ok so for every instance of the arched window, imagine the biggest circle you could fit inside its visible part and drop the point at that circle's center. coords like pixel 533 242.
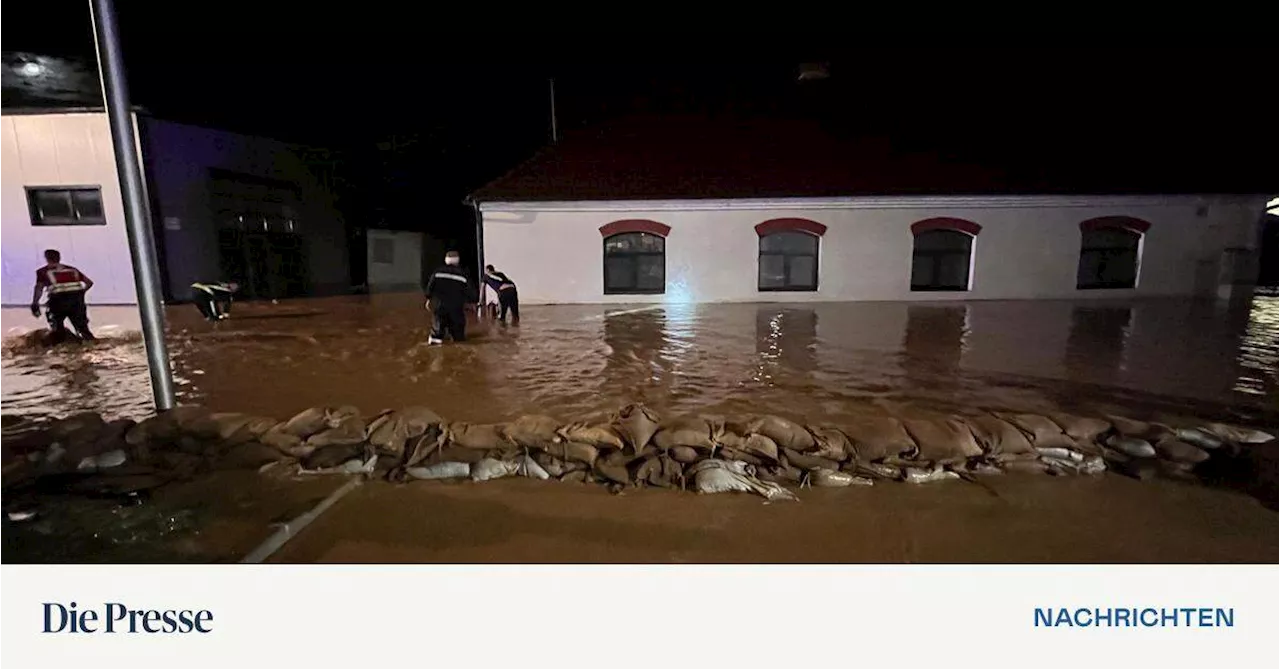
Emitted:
pixel 1109 249
pixel 635 263
pixel 788 254
pixel 942 254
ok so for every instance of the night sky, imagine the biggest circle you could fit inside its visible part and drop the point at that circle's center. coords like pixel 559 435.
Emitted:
pixel 423 112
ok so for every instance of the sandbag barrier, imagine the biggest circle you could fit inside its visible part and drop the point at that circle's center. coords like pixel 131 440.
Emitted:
pixel 632 447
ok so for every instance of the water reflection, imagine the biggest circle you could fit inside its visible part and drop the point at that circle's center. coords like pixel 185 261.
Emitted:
pixel 1097 342
pixel 786 343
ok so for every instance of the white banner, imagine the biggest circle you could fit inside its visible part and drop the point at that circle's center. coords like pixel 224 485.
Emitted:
pixel 639 616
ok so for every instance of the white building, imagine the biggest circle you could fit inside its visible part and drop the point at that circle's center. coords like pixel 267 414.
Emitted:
pixel 223 206
pixel 628 223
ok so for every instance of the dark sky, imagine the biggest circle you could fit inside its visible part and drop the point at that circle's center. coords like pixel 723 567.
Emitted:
pixel 473 101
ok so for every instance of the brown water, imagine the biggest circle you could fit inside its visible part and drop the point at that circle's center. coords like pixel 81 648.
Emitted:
pixel 1162 358
pixel 809 362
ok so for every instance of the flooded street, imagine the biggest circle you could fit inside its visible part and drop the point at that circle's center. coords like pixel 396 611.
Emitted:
pixel 806 362
pixel 813 363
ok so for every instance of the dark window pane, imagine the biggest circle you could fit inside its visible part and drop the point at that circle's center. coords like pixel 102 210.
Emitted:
pixel 789 242
pixel 943 240
pixel 1110 238
pixel 88 203
pixel 773 271
pixel 953 271
pixel 801 272
pixel 619 273
pixel 651 273
pixel 1108 259
pixel 921 271
pixel 53 204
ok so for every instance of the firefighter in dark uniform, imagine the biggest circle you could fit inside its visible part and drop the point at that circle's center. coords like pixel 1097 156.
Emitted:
pixel 66 287
pixel 214 299
pixel 505 288
pixel 448 293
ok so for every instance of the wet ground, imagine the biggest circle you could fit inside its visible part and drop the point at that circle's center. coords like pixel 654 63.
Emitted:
pixel 1151 358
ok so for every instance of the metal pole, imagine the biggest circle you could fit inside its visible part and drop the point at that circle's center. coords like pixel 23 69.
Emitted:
pixel 554 134
pixel 141 246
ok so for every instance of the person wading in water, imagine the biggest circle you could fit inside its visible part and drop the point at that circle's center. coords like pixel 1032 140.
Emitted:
pixel 214 299
pixel 66 286
pixel 448 292
pixel 508 298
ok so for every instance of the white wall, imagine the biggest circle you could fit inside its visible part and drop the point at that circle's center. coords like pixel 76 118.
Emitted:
pixel 554 252
pixel 405 270
pixel 62 150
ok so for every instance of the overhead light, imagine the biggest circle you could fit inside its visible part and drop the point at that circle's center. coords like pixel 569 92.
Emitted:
pixel 32 69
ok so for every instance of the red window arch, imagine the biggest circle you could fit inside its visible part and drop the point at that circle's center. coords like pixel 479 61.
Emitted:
pixel 945 223
pixel 1115 223
pixel 635 225
pixel 776 225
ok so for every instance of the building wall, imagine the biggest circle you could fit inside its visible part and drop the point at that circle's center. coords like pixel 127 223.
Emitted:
pixel 62 150
pixel 179 158
pixel 1028 248
pixel 394 260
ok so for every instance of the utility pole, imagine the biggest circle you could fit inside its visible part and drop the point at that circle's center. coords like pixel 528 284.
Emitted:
pixel 137 225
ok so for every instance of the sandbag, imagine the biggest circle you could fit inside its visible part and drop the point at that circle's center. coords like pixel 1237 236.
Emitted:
pixel 873 469
pixel 830 443
pixel 685 454
pixel 761 447
pixel 1131 446
pixel 568 450
pixel 327 457
pixel 529 468
pixel 724 478
pixel 478 437
pixel 612 471
pixel 230 424
pixel 1025 466
pixel 554 467
pixel 350 430
pixel 533 431
pixel 637 425
pixel 1131 428
pixel 489 469
pixel 998 437
pixel 1200 438
pixel 942 439
pixel 600 436
pixel 286 443
pixel 247 455
pixel 735 454
pixel 440 470
pixel 783 432
pixel 806 461
pixel 923 475
pixel 1239 435
pixel 878 437
pixel 1143 469
pixel 693 431
pixel 107 460
pixel 420 448
pixel 1042 432
pixel 85 426
pixel 578 476
pixel 1180 451
pixel 391 432
pixel 454 454
pixel 1080 428
pixel 645 469
pixel 156 431
pixel 825 478
pixel 306 422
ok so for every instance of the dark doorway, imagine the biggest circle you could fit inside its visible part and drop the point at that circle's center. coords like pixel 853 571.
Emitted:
pixel 267 264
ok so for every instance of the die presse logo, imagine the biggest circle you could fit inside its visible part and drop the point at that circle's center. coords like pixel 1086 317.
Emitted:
pixel 115 618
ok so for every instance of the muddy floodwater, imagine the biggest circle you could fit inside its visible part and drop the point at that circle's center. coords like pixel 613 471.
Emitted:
pixel 1150 358
pixel 806 362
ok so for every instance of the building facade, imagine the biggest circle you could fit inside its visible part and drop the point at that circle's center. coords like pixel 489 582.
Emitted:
pixel 873 248
pixel 221 206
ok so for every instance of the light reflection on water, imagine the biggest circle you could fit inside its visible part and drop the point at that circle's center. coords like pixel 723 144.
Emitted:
pixel 810 361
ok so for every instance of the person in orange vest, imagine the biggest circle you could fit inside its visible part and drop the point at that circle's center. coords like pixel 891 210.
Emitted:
pixel 66 287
